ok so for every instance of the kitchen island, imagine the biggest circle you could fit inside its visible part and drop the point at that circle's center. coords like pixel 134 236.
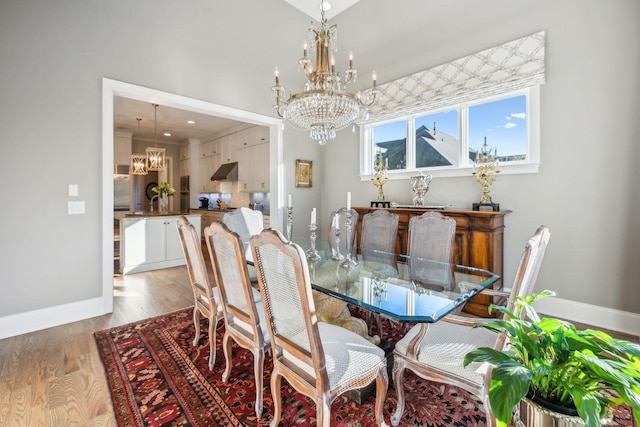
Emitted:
pixel 150 241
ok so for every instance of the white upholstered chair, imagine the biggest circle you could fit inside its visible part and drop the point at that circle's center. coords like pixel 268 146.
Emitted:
pixel 246 223
pixel 206 301
pixel 439 354
pixel 243 312
pixel 318 360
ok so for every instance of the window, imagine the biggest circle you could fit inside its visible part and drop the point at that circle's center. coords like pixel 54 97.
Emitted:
pixel 445 142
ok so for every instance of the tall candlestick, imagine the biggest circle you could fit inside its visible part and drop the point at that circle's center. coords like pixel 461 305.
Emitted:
pixel 348 200
pixel 289 204
pixel 313 216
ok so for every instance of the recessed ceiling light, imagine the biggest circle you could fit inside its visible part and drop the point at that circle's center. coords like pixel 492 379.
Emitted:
pixel 166 134
pixel 191 122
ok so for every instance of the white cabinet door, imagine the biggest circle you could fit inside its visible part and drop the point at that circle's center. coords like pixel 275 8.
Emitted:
pixel 229 147
pixel 154 240
pixel 253 172
pixel 262 167
pixel 173 244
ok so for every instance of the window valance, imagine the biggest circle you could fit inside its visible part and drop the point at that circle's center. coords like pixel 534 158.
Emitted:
pixel 514 65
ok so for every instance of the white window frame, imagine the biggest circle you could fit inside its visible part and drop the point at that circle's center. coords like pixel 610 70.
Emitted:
pixel 465 166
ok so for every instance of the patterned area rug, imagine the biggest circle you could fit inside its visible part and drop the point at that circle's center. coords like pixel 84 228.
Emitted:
pixel 157 378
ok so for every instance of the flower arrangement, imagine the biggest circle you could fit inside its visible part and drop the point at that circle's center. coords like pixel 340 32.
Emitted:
pixel 163 189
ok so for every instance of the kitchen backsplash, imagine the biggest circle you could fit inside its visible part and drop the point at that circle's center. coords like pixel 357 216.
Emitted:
pixel 238 200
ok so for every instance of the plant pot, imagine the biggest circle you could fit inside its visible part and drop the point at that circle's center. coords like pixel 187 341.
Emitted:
pixel 538 414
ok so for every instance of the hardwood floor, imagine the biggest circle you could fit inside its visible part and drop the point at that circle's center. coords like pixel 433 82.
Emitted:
pixel 55 377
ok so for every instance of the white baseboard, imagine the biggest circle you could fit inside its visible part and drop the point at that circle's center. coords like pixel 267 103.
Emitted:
pixel 22 323
pixel 593 315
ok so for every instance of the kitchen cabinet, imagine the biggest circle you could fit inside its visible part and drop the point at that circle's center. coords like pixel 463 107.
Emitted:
pixel 229 148
pixel 253 168
pixel 151 242
pixel 185 159
pixel 208 165
pixel 122 148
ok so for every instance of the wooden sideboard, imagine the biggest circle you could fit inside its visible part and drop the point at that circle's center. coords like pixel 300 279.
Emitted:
pixel 478 243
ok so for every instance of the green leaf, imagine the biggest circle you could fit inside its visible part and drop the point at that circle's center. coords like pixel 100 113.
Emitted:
pixel 588 407
pixel 509 383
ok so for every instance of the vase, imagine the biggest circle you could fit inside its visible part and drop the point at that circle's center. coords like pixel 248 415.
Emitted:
pixel 530 413
pixel 163 202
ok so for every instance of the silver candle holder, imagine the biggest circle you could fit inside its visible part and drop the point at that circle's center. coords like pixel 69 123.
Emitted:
pixel 312 253
pixel 349 262
pixel 289 223
pixel 336 255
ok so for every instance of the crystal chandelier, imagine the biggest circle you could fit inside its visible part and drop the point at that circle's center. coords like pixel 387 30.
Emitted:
pixel 155 156
pixel 139 161
pixel 325 106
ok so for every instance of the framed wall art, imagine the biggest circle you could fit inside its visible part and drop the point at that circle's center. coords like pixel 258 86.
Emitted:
pixel 304 173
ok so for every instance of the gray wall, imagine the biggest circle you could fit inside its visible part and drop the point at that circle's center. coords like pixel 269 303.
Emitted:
pixel 54 55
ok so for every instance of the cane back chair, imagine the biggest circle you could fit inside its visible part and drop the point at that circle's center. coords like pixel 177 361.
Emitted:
pixel 319 360
pixel 243 312
pixel 436 351
pixel 206 301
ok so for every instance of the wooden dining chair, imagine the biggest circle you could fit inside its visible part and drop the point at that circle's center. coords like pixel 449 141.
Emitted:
pixel 243 312
pixel 431 238
pixel 378 241
pixel 206 301
pixel 439 353
pixel 339 223
pixel 377 245
pixel 318 360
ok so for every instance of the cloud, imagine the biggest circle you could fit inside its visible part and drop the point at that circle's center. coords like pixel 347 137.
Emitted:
pixel 508 118
pixel 519 115
pixel 509 125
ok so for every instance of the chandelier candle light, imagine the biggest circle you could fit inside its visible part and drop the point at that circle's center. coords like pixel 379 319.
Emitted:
pixel 324 106
pixel 289 219
pixel 485 171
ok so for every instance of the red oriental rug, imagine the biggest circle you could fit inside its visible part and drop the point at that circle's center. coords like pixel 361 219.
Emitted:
pixel 157 378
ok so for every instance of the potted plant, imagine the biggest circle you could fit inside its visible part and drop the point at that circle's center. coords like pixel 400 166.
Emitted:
pixel 549 360
pixel 163 190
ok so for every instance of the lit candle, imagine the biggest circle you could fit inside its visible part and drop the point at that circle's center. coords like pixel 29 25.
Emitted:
pixel 277 73
pixel 313 216
pixel 350 59
pixel 333 64
pixel 289 200
pixel 305 49
pixel 375 77
pixel 348 200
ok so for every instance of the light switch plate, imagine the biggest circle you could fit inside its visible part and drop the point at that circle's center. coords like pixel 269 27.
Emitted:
pixel 76 208
pixel 73 190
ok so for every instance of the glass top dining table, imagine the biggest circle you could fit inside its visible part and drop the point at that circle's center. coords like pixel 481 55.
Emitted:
pixel 400 287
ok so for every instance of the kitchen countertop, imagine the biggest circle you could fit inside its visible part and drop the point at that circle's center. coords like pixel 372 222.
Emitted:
pixel 153 214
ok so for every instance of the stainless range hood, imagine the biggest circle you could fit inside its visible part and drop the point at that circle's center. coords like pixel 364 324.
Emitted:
pixel 226 172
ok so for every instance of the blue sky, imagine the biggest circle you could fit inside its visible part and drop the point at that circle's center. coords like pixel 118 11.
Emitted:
pixel 502 122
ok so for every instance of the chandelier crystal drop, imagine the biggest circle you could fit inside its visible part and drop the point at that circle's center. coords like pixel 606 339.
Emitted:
pixel 325 106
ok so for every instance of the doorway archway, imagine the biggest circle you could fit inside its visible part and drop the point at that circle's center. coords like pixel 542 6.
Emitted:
pixel 111 88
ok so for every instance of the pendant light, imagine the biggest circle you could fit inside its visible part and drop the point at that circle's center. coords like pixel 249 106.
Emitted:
pixel 139 161
pixel 156 156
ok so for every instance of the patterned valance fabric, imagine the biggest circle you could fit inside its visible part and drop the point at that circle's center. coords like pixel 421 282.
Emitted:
pixel 514 65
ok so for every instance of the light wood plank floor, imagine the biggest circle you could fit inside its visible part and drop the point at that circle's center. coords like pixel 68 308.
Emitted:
pixel 55 377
